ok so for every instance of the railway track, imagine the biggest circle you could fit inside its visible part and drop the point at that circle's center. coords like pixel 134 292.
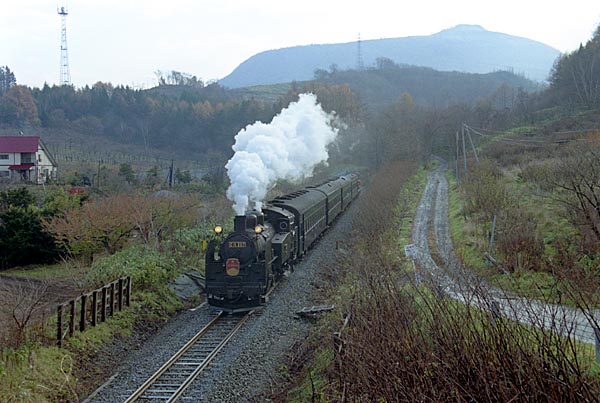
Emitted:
pixel 169 382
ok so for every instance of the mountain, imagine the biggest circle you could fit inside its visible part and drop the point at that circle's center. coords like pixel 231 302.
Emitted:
pixel 465 48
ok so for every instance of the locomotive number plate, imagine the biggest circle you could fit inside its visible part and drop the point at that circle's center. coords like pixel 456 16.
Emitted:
pixel 237 244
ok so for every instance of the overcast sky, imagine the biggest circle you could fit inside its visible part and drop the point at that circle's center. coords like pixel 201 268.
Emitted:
pixel 125 42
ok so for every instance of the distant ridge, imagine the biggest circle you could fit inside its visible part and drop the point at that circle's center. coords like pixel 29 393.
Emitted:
pixel 465 48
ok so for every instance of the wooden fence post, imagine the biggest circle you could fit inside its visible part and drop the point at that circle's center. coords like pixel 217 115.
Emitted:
pixel 103 309
pixel 495 310
pixel 94 307
pixel 112 299
pixel 128 297
pixel 59 325
pixel 83 309
pixel 120 295
pixel 72 319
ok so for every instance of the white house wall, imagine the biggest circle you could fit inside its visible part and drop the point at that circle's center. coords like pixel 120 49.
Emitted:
pixel 4 164
pixel 43 162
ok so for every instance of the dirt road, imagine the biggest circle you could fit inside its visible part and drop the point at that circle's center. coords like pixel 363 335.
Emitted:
pixel 457 282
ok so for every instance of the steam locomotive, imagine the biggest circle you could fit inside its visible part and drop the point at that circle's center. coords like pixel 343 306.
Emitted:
pixel 243 266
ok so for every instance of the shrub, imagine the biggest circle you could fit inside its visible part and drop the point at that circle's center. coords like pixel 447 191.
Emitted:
pixel 185 247
pixel 149 269
pixel 111 223
pixel 519 241
pixel 485 193
pixel 23 240
pixel 538 173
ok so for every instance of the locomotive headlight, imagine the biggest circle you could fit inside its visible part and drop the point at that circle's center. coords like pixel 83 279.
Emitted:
pixel 258 229
pixel 218 229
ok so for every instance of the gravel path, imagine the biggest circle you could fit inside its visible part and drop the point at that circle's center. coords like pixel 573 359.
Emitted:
pixel 250 362
pixel 454 280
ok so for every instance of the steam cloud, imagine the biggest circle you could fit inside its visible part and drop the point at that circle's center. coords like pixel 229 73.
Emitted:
pixel 288 148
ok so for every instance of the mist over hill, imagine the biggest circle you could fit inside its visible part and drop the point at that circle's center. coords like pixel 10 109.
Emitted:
pixel 464 48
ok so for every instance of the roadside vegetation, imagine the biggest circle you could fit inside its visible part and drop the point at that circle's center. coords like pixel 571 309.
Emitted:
pixel 546 234
pixel 398 342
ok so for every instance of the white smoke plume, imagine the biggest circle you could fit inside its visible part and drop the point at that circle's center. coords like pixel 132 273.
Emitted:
pixel 287 148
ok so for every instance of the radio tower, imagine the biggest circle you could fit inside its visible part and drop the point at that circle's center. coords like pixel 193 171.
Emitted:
pixel 359 59
pixel 65 74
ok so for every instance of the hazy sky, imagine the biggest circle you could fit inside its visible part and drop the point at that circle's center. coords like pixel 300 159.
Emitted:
pixel 125 42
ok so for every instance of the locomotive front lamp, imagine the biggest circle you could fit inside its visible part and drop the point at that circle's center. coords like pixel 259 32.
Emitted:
pixel 218 229
pixel 258 229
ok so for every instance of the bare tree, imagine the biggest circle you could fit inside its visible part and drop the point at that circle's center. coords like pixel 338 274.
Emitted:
pixel 577 176
pixel 21 302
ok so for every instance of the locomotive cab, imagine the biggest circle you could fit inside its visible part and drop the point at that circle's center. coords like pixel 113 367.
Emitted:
pixel 285 239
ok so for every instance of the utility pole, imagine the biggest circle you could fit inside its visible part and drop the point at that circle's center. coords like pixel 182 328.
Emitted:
pixel 472 146
pixel 98 174
pixel 464 148
pixel 456 159
pixel 171 175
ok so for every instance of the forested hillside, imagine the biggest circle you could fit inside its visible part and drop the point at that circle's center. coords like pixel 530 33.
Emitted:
pixel 385 83
pixel 382 110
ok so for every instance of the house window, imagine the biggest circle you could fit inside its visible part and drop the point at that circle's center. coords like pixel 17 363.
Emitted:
pixel 39 157
pixel 3 156
pixel 4 174
pixel 27 158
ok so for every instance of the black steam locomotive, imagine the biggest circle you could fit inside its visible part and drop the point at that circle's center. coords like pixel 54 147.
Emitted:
pixel 242 268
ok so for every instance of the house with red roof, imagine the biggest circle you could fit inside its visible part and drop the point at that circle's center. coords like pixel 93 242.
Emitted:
pixel 26 158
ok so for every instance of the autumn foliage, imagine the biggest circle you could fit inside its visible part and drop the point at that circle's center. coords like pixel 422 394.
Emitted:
pixel 108 225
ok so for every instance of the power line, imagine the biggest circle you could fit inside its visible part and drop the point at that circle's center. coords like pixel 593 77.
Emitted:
pixel 529 142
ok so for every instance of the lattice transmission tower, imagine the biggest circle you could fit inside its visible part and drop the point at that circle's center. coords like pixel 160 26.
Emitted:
pixel 65 73
pixel 359 59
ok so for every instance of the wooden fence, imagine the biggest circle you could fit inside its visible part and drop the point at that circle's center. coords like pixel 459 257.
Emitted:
pixel 92 308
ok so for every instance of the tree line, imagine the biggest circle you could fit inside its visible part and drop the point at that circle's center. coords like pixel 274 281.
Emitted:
pixel 575 78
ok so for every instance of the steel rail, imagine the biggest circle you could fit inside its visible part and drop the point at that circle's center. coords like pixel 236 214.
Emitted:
pixel 135 396
pixel 207 360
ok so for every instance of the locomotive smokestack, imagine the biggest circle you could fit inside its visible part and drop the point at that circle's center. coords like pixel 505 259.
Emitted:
pixel 260 217
pixel 250 220
pixel 239 223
